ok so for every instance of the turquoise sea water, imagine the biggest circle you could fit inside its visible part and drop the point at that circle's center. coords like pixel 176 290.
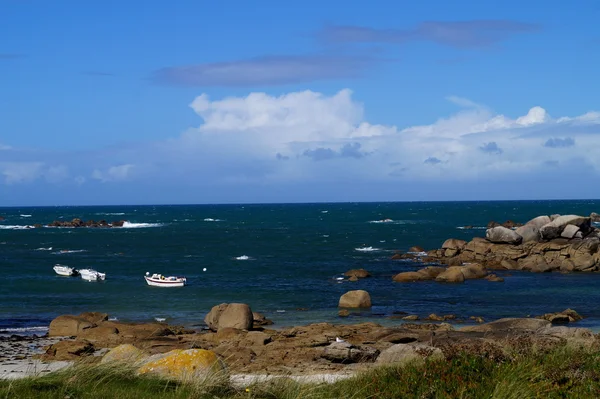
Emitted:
pixel 282 260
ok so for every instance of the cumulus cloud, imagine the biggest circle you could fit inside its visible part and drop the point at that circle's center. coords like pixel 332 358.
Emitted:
pixel 266 71
pixel 462 34
pixel 113 173
pixel 318 139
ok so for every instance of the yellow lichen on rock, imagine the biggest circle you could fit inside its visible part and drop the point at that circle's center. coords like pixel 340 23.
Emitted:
pixel 184 365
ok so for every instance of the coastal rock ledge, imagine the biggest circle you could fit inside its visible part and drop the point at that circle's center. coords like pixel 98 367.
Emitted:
pixel 567 243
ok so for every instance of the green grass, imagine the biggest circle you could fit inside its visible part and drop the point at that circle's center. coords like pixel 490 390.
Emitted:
pixel 559 373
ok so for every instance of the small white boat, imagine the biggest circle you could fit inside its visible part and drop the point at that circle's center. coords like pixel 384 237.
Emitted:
pixel 63 270
pixel 158 280
pixel 92 275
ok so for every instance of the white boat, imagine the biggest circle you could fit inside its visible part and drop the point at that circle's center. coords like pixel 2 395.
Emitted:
pixel 92 275
pixel 158 280
pixel 64 270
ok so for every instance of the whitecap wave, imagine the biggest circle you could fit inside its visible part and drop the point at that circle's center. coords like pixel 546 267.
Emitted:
pixel 418 253
pixel 130 225
pixel 25 216
pixel 367 249
pixel 324 211
pixel 384 221
pixel 471 227
pixel 160 319
pixel 44 249
pixel 243 257
pixel 69 251
pixel 24 329
pixel 110 213
pixel 212 220
pixel 112 319
pixel 16 227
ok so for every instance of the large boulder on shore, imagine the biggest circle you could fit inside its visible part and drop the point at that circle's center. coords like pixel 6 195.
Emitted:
pixel 185 365
pixel 68 326
pixel 355 299
pixel 503 235
pixel 234 315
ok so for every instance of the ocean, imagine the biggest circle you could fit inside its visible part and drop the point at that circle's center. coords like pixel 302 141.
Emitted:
pixel 284 260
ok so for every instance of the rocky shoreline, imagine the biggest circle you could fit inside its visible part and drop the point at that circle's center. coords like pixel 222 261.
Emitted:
pixel 245 345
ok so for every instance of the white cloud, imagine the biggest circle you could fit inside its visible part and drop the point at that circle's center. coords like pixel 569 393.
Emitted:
pixel 113 173
pixel 20 172
pixel 297 129
pixel 308 137
pixel 4 147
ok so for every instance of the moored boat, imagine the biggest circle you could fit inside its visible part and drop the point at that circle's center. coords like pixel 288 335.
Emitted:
pixel 158 280
pixel 63 270
pixel 92 275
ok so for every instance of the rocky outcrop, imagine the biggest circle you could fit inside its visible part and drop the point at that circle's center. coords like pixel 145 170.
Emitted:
pixel 567 243
pixel 564 317
pixel 355 299
pixel 177 353
pixel 77 222
pixel 452 274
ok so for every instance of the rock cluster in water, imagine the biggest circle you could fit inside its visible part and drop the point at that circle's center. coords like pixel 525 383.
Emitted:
pixel 566 243
pixel 85 223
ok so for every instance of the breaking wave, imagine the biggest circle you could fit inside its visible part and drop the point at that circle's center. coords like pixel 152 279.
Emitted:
pixel 129 225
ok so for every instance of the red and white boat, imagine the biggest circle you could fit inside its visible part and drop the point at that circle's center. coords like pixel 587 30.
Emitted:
pixel 158 280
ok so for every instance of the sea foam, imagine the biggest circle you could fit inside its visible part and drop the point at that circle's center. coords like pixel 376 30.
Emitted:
pixel 367 249
pixel 129 225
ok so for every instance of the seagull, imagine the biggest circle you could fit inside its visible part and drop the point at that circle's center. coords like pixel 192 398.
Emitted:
pixel 338 339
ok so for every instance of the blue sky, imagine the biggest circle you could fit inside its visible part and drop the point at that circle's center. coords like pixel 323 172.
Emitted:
pixel 202 102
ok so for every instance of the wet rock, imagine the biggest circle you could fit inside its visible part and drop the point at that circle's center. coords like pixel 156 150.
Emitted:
pixel 564 317
pixel 494 278
pixel 355 299
pixel 357 273
pixel 435 317
pixel 416 249
pixel 259 319
pixel 453 274
pixel 412 317
pixel 343 313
